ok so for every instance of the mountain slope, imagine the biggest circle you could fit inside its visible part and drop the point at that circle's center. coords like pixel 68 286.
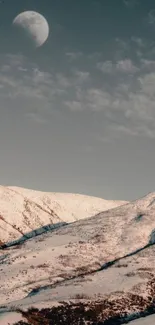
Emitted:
pixel 23 210
pixel 90 257
pixel 104 264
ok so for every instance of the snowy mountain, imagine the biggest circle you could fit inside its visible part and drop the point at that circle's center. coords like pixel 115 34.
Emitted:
pixel 99 268
pixel 23 210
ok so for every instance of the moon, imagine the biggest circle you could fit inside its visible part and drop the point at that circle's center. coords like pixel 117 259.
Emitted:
pixel 34 25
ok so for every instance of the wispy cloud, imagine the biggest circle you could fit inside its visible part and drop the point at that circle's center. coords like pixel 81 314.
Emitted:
pixel 138 41
pixel 46 89
pixel 126 66
pixel 74 105
pixel 35 117
pixel 127 105
pixel 123 66
pixel 74 55
pixel 151 17
pixel 106 67
pixel 124 98
pixel 130 3
pixel 81 76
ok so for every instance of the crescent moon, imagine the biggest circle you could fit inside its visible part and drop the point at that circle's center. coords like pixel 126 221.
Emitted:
pixel 34 24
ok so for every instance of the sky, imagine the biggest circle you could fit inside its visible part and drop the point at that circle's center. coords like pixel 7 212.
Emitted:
pixel 78 113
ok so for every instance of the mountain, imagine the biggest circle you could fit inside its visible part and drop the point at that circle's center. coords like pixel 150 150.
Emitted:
pixel 99 268
pixel 23 210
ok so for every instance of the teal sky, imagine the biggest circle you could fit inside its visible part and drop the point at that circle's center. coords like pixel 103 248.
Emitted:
pixel 78 114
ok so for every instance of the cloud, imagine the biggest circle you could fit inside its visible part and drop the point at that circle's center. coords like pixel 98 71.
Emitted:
pixel 138 41
pixel 25 81
pixel 125 103
pixel 74 55
pixel 133 46
pixel 147 83
pixel 122 66
pixel 151 17
pixel 36 118
pixel 106 67
pixel 19 78
pixel 130 3
pixel 124 99
pixel 74 105
pixel 126 66
pixel 81 76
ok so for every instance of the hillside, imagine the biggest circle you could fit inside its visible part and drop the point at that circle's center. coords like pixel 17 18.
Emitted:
pixel 23 210
pixel 104 263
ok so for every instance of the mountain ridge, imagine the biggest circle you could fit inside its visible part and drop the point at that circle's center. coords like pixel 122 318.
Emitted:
pixel 23 210
pixel 104 263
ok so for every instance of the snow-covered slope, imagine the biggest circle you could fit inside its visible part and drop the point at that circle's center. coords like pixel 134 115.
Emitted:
pixel 10 318
pixel 107 260
pixel 23 210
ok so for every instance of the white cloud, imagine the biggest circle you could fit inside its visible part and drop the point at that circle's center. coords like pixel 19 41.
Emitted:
pixel 74 55
pixel 122 66
pixel 151 17
pixel 97 100
pixel 62 81
pixel 27 82
pixel 126 66
pixel 106 67
pixel 81 76
pixel 148 85
pixel 21 79
pixel 126 105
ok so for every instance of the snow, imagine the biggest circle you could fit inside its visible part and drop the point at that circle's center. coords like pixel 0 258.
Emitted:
pixel 63 263
pixel 23 210
pixel 9 318
pixel 61 253
pixel 149 320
